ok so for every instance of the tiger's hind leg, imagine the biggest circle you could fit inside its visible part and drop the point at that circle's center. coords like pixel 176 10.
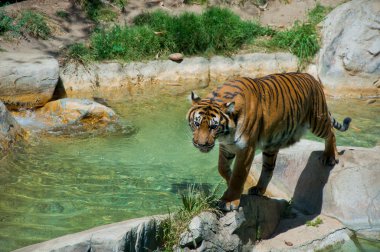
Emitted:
pixel 325 130
pixel 269 162
pixel 330 155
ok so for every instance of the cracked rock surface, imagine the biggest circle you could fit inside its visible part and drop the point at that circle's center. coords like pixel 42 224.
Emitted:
pixel 349 191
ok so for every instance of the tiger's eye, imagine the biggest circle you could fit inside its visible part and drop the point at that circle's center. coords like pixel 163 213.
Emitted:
pixel 213 126
pixel 196 124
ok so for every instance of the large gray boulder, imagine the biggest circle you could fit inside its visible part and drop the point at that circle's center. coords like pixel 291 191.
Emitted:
pixel 256 219
pixel 350 53
pixel 136 235
pixel 10 130
pixel 27 80
pixel 349 191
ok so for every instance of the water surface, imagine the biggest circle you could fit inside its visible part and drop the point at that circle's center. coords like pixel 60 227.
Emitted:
pixel 60 185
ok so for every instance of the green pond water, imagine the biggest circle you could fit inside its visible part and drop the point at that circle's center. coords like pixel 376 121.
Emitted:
pixel 61 185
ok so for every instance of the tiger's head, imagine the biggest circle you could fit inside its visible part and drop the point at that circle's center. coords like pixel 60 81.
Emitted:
pixel 208 120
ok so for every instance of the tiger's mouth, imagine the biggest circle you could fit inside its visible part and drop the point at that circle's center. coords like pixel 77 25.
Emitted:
pixel 204 147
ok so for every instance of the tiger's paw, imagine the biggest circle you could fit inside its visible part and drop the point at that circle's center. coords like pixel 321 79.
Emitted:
pixel 228 206
pixel 329 160
pixel 256 191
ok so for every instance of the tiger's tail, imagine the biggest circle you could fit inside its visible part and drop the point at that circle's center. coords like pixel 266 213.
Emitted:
pixel 339 126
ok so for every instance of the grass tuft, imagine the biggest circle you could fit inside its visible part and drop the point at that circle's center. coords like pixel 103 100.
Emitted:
pixel 194 201
pixel 34 24
pixel 79 53
pixel 318 13
pixel 5 22
pixel 318 221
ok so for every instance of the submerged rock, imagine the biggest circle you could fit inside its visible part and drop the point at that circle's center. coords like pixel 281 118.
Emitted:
pixel 71 117
pixel 27 80
pixel 256 219
pixel 349 191
pixel 10 131
pixel 350 53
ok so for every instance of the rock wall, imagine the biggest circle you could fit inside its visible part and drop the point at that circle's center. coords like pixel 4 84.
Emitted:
pixel 350 55
pixel 165 76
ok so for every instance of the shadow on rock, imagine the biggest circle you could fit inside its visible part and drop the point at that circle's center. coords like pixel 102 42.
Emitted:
pixel 256 219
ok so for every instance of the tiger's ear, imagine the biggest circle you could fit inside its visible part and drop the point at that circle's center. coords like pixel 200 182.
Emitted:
pixel 194 98
pixel 230 107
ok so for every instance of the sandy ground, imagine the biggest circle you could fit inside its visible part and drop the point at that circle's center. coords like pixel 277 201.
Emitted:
pixel 76 28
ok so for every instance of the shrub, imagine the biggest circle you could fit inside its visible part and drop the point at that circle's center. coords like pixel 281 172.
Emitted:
pixel 79 52
pixel 124 43
pixel 301 40
pixel 5 22
pixel 34 24
pixel 318 13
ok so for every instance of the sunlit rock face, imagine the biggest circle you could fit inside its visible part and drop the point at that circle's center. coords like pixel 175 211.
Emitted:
pixel 27 80
pixel 350 53
pixel 70 117
pixel 349 191
pixel 10 131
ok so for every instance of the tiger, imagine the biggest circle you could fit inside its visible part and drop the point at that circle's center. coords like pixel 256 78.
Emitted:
pixel 270 113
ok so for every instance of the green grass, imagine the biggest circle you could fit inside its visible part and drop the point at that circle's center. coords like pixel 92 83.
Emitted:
pixel 5 22
pixel 79 53
pixel 318 13
pixel 98 11
pixel 216 31
pixel 27 22
pixel 302 39
pixel 194 201
pixel 34 24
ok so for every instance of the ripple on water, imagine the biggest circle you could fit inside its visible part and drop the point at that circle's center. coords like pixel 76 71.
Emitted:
pixel 60 185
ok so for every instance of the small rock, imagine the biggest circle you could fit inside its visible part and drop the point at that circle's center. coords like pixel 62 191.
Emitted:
pixel 288 243
pixel 371 101
pixel 177 57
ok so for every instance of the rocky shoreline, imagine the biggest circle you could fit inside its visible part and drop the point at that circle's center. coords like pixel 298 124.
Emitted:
pixel 345 198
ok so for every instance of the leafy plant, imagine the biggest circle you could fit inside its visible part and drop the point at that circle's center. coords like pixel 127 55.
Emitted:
pixel 318 13
pixel 79 52
pixel 301 40
pixel 318 221
pixel 34 24
pixel 194 201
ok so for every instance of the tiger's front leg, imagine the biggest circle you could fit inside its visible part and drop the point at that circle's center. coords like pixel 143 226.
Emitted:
pixel 231 197
pixel 224 163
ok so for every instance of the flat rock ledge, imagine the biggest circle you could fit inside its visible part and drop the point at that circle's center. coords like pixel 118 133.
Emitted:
pixel 27 80
pixel 166 76
pixel 137 235
pixel 348 192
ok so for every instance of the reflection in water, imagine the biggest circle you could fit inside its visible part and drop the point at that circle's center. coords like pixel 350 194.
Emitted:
pixel 60 185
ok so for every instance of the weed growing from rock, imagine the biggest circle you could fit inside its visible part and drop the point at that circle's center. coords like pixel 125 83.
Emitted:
pixel 318 221
pixel 194 201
